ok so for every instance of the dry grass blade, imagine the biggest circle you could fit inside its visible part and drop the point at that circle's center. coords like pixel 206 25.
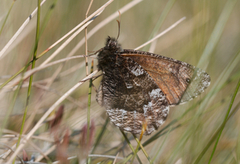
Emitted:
pixel 32 71
pixel 208 38
pixel 162 33
pixel 103 23
pixel 81 27
pixel 48 112
pixel 19 32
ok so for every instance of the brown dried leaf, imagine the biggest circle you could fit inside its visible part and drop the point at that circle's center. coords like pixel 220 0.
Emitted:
pixel 25 156
pixel 55 122
pixel 62 149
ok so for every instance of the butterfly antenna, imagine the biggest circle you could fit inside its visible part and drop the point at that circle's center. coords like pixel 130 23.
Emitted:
pixel 119 24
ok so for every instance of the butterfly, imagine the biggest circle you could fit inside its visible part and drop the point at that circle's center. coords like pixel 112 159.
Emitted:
pixel 138 87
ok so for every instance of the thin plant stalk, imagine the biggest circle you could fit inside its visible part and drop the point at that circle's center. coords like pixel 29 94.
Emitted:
pixel 25 23
pixel 130 145
pixel 154 158
pixel 144 127
pixel 89 106
pixel 5 20
pixel 215 136
pixel 103 129
pixel 9 111
pixel 159 23
pixel 83 23
pixel 139 146
pixel 31 77
pixel 225 120
pixel 86 45
pixel 46 114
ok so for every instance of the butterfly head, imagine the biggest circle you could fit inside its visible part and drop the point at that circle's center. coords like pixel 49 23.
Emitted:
pixel 108 55
pixel 112 45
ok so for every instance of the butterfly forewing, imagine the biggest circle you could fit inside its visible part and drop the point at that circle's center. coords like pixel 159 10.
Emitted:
pixel 179 81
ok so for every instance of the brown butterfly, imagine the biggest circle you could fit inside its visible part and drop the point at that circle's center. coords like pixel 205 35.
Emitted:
pixel 139 86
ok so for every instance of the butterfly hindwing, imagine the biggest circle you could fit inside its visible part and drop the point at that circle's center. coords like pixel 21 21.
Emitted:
pixel 131 97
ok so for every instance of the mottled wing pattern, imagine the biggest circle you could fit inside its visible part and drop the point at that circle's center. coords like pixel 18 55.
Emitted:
pixel 138 87
pixel 179 81
pixel 131 97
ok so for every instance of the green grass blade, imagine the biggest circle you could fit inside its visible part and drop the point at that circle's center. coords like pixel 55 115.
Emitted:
pixel 5 20
pixel 160 21
pixel 216 34
pixel 99 137
pixel 225 119
pixel 130 145
pixel 31 77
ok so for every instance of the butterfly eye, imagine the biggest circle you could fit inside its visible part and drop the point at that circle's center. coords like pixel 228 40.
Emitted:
pixel 188 80
pixel 113 44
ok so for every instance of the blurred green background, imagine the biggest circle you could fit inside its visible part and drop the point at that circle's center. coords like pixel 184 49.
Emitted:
pixel 209 38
